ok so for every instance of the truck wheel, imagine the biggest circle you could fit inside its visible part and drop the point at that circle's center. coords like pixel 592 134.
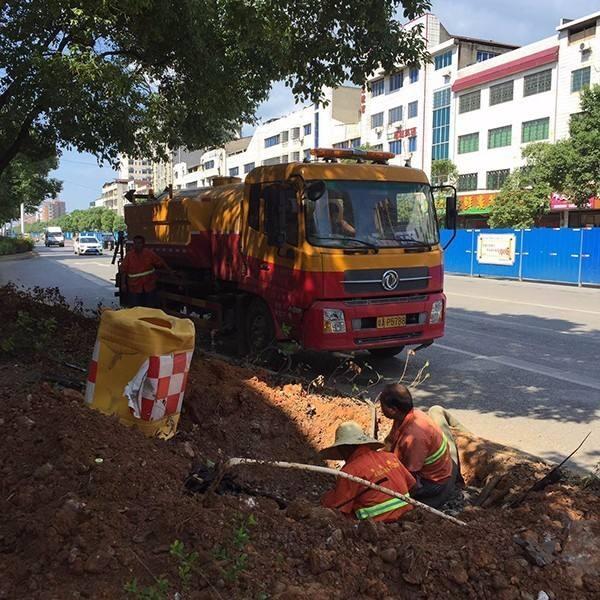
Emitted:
pixel 260 331
pixel 386 352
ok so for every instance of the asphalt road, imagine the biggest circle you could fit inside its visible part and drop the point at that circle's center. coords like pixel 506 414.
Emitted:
pixel 518 363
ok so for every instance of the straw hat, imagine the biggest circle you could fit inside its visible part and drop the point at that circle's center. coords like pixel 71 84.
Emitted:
pixel 349 433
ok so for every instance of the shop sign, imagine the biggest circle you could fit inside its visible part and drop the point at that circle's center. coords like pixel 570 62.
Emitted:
pixel 558 202
pixel 403 133
pixel 496 248
pixel 473 202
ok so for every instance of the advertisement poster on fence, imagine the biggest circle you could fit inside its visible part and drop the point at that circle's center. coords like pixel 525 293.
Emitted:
pixel 496 248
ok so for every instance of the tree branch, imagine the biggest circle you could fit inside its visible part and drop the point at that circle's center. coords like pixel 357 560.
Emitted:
pixel 14 148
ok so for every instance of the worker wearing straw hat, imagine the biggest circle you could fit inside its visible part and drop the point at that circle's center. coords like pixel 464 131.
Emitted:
pixel 362 459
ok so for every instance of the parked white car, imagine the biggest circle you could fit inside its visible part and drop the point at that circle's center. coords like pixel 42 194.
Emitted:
pixel 87 244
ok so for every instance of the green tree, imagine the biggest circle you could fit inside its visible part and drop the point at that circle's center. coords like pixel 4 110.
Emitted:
pixel 133 75
pixel 26 180
pixel 107 220
pixel 119 223
pixel 443 171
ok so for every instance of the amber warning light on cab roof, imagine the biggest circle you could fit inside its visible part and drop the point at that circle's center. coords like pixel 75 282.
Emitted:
pixel 332 154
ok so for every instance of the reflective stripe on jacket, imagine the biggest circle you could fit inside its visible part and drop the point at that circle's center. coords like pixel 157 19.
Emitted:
pixel 381 508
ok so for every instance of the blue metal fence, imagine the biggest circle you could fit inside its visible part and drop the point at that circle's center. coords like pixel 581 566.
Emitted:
pixel 554 255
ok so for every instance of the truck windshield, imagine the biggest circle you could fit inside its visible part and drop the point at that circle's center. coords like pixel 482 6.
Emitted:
pixel 373 213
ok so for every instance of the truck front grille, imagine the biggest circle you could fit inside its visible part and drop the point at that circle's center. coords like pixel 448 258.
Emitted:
pixel 388 338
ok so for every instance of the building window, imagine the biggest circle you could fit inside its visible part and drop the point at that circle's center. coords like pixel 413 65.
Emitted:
pixel 413 74
pixel 272 141
pixel 377 120
pixel 396 81
pixel 271 161
pixel 307 129
pixel 285 136
pixel 413 109
pixel 355 142
pixel 307 154
pixel 234 172
pixel 469 102
pixel 533 131
pixel 248 167
pixel 395 114
pixel 580 79
pixel 295 133
pixel 496 179
pixel 485 55
pixel 342 145
pixel 377 87
pixel 536 83
pixel 468 143
pixel 443 60
pixel 284 159
pixel 209 164
pixel 467 182
pixel 412 143
pixel 396 146
pixel 503 92
pixel 500 136
pixel 441 125
pixel 295 156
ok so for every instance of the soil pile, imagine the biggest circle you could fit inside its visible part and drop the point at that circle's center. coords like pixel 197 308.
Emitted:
pixel 91 508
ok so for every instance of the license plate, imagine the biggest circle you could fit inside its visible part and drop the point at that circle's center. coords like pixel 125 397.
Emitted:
pixel 396 321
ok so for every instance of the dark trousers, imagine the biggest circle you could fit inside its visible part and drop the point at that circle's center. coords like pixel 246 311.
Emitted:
pixel 435 494
pixel 147 299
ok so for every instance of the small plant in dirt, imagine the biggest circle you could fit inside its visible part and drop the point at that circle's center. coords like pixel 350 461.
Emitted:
pixel 186 565
pixel 27 332
pixel 158 591
pixel 233 553
pixel 187 562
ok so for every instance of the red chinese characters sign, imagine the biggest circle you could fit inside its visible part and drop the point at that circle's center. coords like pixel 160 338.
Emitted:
pixel 402 133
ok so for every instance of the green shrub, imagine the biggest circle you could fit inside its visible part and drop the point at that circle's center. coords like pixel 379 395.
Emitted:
pixel 14 245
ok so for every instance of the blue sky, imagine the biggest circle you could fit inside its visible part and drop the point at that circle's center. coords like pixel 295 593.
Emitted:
pixel 510 21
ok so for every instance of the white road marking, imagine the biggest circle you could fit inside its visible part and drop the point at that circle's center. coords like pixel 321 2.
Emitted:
pixel 505 301
pixel 506 361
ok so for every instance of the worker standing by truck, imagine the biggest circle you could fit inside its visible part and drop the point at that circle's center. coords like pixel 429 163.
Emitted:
pixel 139 266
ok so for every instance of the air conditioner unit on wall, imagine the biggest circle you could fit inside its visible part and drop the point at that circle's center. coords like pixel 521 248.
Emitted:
pixel 585 47
pixel 378 131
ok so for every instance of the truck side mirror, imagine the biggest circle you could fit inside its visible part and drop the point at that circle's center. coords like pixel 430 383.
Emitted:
pixel 275 215
pixel 451 212
pixel 315 190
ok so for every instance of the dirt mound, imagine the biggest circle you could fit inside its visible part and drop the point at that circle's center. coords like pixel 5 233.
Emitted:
pixel 91 508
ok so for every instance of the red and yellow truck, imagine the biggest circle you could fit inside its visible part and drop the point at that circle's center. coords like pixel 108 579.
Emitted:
pixel 338 256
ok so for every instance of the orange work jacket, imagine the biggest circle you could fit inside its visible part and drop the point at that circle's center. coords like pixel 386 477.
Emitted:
pixel 139 268
pixel 357 501
pixel 421 447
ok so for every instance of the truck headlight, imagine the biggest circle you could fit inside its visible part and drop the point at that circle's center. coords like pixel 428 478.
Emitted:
pixel 333 321
pixel 437 312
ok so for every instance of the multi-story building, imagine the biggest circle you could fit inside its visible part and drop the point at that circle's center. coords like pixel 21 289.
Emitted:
pixel 113 193
pixel 134 168
pixel 51 209
pixel 523 96
pixel 162 173
pixel 409 111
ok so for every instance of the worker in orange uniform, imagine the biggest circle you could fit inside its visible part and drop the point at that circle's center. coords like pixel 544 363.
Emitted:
pixel 139 267
pixel 359 451
pixel 420 445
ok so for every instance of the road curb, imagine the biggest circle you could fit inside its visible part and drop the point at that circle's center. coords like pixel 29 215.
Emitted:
pixel 19 256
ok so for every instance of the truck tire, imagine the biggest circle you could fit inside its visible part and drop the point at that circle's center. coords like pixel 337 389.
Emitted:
pixel 260 330
pixel 386 352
